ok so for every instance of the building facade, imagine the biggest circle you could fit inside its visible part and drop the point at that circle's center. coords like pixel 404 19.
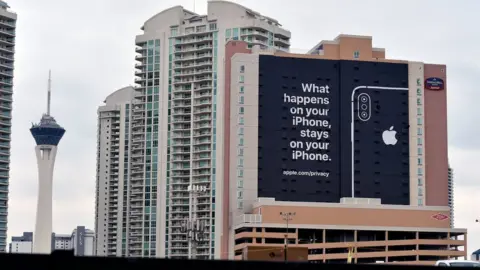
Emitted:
pixel 8 21
pixel 113 165
pixel 340 123
pixel 392 233
pixel 177 125
pixel 82 241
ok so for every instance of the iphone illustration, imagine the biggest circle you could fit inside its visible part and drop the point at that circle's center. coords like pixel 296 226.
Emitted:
pixel 379 141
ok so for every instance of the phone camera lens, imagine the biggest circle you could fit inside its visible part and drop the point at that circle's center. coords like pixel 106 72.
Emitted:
pixel 364 99
pixel 364 115
pixel 364 106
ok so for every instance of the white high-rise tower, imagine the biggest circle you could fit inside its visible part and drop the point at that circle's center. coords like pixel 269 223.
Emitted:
pixel 47 135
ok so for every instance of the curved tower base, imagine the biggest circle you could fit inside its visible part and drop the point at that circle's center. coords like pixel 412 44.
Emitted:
pixel 42 237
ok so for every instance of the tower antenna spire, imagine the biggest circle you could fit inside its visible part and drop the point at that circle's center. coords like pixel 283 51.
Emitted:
pixel 49 94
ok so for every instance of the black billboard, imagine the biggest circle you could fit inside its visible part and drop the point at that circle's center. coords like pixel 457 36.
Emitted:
pixel 310 112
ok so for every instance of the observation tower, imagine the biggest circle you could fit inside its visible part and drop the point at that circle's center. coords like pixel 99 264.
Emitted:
pixel 47 135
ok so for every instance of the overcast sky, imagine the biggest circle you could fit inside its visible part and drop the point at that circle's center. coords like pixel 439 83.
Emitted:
pixel 89 45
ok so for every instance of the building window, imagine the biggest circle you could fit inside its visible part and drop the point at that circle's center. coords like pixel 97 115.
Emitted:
pixel 419 111
pixel 239 194
pixel 420 182
pixel 420 201
pixel 419 121
pixel 420 151
pixel 419 91
pixel 242 69
pixel 213 26
pixel 419 141
pixel 420 171
pixel 239 173
pixel 240 183
pixel 241 110
pixel 240 162
pixel 420 191
pixel 240 141
pixel 419 101
pixel 241 120
pixel 173 32
pixel 356 54
pixel 240 205
pixel 419 131
pixel 241 99
pixel 242 89
pixel 420 161
pixel 240 152
pixel 241 78
pixel 240 131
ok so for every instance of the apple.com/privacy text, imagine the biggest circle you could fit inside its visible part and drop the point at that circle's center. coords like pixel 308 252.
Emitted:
pixel 306 173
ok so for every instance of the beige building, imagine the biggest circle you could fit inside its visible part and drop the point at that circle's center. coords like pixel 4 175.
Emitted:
pixel 415 233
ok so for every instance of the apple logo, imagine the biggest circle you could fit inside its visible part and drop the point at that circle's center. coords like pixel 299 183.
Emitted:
pixel 389 136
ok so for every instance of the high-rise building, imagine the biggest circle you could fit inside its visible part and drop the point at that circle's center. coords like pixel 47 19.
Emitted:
pixel 47 135
pixel 338 148
pixel 173 134
pixel 113 166
pixel 177 123
pixel 8 21
pixel 81 241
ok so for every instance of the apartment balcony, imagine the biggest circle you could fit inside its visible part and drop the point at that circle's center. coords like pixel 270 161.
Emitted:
pixel 202 110
pixel 181 127
pixel 202 118
pixel 254 33
pixel 181 104
pixel 7 41
pixel 181 151
pixel 141 57
pixel 179 188
pixel 137 153
pixel 180 182
pixel 189 48
pixel 281 42
pixel 193 57
pixel 202 86
pixel 206 102
pixel 180 174
pixel 196 40
pixel 203 78
pixel 193 72
pixel 6 82
pixel 193 65
pixel 181 135
pixel 136 206
pixel 139 138
pixel 202 126
pixel 7 57
pixel 184 81
pixel 7 24
pixel 203 141
pixel 179 210
pixel 180 202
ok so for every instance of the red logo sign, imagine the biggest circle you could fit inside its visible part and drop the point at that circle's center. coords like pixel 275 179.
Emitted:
pixel 440 217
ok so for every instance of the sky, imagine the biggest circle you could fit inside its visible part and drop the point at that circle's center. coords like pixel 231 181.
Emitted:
pixel 89 46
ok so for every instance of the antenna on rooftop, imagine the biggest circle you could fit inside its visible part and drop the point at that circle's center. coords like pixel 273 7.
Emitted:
pixel 49 91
